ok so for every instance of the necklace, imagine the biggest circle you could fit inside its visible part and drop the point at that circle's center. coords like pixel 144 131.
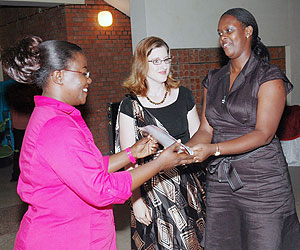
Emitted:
pixel 157 103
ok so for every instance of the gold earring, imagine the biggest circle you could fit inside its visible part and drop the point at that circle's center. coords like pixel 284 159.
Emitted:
pixel 60 79
pixel 247 35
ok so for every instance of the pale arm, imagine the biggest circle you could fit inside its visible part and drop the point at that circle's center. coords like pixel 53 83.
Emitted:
pixel 193 120
pixel 127 138
pixel 205 131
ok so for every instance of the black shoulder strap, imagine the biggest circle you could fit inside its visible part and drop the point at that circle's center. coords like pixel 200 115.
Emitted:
pixel 134 97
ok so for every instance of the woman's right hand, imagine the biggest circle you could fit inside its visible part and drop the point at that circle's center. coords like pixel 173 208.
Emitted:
pixel 144 147
pixel 141 211
pixel 203 151
pixel 170 157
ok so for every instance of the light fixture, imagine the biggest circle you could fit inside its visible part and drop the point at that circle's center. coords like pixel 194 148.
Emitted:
pixel 105 18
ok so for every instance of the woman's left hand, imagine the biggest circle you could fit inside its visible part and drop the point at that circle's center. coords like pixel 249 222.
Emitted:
pixel 144 147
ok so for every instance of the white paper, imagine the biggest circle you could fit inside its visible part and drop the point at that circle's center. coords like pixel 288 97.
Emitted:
pixel 164 138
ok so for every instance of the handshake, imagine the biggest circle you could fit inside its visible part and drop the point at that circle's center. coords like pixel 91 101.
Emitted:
pixel 163 138
pixel 174 154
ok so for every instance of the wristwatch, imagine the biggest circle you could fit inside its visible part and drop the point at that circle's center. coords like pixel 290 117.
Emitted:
pixel 218 152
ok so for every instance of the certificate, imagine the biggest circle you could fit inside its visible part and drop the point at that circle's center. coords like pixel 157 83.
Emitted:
pixel 164 138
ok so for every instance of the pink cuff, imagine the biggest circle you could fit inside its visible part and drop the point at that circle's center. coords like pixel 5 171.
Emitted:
pixel 130 156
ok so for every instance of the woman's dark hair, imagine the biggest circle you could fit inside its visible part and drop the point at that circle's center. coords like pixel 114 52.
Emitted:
pixel 247 19
pixel 32 60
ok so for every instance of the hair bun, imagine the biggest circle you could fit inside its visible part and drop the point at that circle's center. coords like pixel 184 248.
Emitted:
pixel 21 61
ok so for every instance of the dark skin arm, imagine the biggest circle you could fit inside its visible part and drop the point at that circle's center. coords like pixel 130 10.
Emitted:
pixel 271 103
pixel 144 147
pixel 169 158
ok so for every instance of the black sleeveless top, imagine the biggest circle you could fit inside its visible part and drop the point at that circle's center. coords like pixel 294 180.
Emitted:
pixel 173 117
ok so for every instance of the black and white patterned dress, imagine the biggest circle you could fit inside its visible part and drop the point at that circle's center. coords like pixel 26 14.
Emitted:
pixel 176 197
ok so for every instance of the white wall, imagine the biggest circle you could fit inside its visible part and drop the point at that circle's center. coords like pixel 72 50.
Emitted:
pixel 193 24
pixel 294 44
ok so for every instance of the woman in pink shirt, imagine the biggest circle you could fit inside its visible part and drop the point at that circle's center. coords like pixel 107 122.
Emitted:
pixel 69 186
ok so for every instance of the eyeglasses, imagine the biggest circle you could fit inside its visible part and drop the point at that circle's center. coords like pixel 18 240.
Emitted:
pixel 86 74
pixel 158 61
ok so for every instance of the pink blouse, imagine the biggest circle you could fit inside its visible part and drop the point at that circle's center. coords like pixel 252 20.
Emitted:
pixel 65 181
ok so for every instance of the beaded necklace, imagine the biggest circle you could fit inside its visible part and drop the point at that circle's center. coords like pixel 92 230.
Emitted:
pixel 157 103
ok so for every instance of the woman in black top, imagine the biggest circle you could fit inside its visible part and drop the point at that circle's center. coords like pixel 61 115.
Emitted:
pixel 168 210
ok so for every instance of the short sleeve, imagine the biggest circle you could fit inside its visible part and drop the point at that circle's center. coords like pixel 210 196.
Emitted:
pixel 126 107
pixel 272 72
pixel 188 97
pixel 207 79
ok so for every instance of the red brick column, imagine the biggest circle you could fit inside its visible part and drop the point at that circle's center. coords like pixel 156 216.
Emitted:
pixel 109 52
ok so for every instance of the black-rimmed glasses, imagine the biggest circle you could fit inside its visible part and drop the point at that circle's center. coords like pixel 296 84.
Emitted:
pixel 86 74
pixel 158 61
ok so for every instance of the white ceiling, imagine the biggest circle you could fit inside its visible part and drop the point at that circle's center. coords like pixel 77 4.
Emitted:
pixel 121 5
pixel 40 3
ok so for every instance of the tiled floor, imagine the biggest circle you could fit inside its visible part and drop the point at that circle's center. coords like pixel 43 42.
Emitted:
pixel 11 210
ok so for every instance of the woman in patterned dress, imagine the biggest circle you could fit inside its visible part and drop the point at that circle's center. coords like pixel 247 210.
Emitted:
pixel 167 211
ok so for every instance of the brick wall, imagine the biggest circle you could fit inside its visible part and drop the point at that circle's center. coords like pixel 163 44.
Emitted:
pixel 108 51
pixel 16 22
